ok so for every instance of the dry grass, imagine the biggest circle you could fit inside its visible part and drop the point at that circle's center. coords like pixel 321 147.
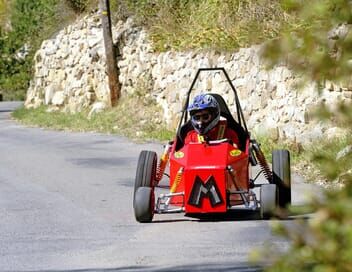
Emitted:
pixel 222 25
pixel 135 117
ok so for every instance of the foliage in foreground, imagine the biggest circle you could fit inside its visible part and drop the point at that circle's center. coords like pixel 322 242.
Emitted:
pixel 130 118
pixel 324 242
pixel 321 48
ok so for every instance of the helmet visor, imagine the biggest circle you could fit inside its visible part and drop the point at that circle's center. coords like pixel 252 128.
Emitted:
pixel 202 117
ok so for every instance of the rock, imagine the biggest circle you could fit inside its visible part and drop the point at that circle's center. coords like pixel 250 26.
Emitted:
pixel 347 94
pixel 51 50
pixel 93 41
pixel 310 133
pixel 347 151
pixel 335 132
pixel 49 94
pixel 96 108
pixel 58 98
pixel 345 178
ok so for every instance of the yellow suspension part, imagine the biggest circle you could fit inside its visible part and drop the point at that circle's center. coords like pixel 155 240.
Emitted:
pixel 162 163
pixel 177 180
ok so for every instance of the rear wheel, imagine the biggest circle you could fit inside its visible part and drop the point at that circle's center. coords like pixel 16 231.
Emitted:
pixel 143 204
pixel 268 200
pixel 146 170
pixel 282 176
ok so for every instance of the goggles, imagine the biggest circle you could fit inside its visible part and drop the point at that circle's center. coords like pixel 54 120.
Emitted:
pixel 202 117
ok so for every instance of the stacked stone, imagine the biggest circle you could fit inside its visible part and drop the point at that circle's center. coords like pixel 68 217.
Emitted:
pixel 70 69
pixel 70 75
pixel 136 57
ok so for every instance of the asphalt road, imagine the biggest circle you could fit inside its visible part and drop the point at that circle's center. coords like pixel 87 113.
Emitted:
pixel 66 205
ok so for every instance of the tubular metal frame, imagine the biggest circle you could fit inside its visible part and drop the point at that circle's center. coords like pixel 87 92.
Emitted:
pixel 163 202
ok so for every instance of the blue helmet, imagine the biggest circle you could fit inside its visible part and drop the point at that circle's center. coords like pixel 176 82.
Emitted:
pixel 204 102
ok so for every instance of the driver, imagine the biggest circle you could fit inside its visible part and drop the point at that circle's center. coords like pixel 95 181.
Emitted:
pixel 205 119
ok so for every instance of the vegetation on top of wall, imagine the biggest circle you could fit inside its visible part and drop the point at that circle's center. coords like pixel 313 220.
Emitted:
pixel 84 6
pixel 215 24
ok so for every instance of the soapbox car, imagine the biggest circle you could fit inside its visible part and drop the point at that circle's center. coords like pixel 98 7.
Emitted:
pixel 212 177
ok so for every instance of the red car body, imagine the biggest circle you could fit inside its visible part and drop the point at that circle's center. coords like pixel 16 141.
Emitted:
pixel 206 180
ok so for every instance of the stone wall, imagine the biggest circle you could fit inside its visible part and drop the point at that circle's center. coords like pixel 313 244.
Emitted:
pixel 70 69
pixel 70 75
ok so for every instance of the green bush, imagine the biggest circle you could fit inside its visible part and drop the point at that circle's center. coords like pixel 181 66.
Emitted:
pixel 79 5
pixel 31 23
pixel 28 19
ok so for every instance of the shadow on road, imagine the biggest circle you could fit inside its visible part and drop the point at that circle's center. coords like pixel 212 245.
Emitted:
pixel 193 267
pixel 100 162
pixel 239 215
pixel 233 215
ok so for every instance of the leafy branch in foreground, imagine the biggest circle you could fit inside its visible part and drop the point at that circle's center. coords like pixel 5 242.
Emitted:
pixel 319 45
pixel 321 50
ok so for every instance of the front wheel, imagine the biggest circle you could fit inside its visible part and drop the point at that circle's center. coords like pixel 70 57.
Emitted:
pixel 146 170
pixel 282 176
pixel 268 200
pixel 143 204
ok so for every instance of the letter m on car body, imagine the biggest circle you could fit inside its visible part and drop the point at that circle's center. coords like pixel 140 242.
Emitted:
pixel 205 191
pixel 208 189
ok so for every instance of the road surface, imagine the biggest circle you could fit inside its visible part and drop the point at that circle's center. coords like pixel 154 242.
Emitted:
pixel 66 205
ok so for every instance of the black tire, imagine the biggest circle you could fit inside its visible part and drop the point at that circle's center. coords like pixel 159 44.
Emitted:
pixel 268 200
pixel 146 170
pixel 143 204
pixel 282 176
